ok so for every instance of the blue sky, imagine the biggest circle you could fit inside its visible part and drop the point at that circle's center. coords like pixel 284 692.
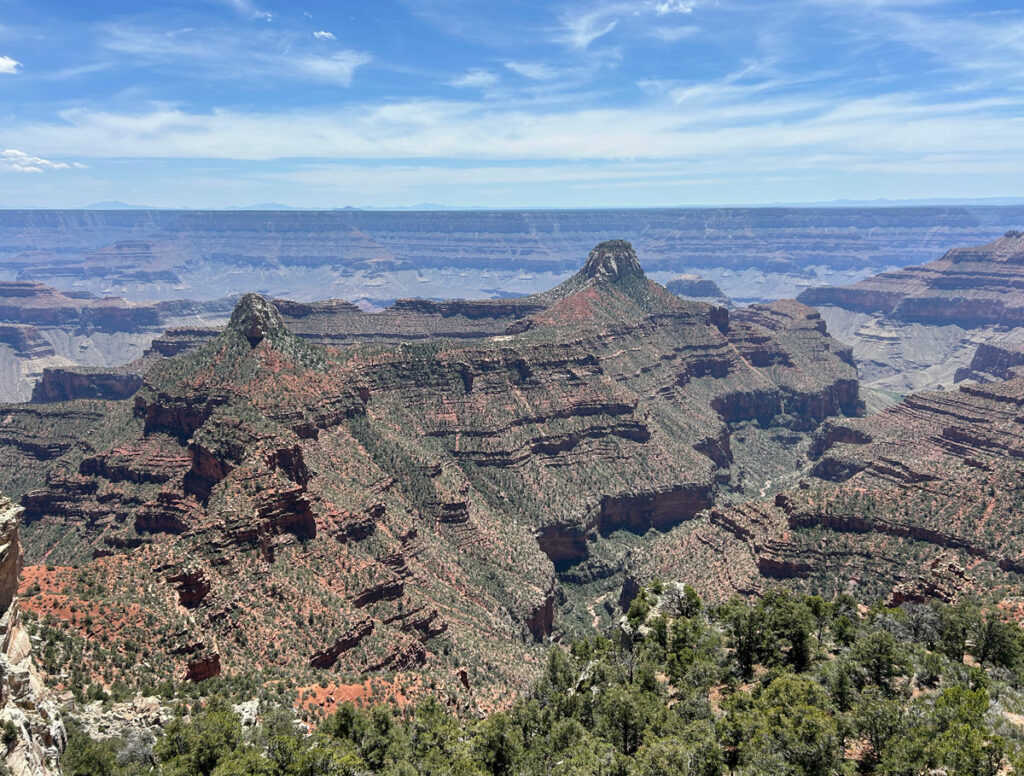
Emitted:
pixel 212 103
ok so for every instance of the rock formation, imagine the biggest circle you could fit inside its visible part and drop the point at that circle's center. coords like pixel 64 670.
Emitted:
pixel 699 289
pixel 385 256
pixel 918 328
pixel 73 343
pixel 413 507
pixel 896 505
pixel 32 732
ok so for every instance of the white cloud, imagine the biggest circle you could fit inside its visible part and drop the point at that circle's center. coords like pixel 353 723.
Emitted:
pixel 674 6
pixel 8 65
pixel 476 78
pixel 581 31
pixel 18 161
pixel 249 9
pixel 324 35
pixel 672 34
pixel 722 124
pixel 534 71
pixel 338 67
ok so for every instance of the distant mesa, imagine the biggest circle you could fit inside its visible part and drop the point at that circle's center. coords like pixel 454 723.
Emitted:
pixel 698 288
pixel 967 287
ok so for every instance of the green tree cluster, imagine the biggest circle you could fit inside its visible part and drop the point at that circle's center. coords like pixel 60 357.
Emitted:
pixel 789 685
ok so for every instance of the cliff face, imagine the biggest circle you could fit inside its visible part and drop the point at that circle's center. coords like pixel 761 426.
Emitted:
pixel 34 735
pixel 414 507
pixel 918 328
pixel 968 287
pixel 894 502
pixel 72 345
pixel 993 361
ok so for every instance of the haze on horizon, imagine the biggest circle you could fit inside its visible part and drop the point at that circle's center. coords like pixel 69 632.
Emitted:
pixel 530 104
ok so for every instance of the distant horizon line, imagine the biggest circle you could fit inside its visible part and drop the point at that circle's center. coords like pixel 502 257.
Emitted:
pixel 880 203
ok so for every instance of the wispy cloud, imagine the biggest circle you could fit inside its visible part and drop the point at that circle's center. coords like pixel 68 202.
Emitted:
pixel 221 53
pixel 336 68
pixel 533 70
pixel 672 34
pixel 250 10
pixel 12 160
pixel 674 6
pixel 696 125
pixel 580 31
pixel 9 65
pixel 476 78
pixel 324 35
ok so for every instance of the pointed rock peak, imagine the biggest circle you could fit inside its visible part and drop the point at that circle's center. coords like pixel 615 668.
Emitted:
pixel 255 318
pixel 613 259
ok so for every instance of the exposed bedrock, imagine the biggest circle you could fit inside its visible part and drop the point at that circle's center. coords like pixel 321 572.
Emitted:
pixel 541 621
pixel 993 361
pixel 26 341
pixel 203 668
pixel 410 506
pixel 660 509
pixel 565 544
pixel 64 384
pixel 327 657
pixel 34 734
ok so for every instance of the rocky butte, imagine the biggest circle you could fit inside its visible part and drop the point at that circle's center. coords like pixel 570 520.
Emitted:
pixel 432 510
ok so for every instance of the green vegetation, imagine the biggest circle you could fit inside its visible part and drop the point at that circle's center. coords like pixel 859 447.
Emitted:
pixel 791 685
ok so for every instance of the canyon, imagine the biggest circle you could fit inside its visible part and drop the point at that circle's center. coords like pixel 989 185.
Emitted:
pixel 920 327
pixel 922 500
pixel 126 276
pixel 754 254
pixel 42 328
pixel 318 495
pixel 434 509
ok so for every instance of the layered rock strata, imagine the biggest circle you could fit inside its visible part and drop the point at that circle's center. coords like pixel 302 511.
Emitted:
pixel 410 507
pixel 920 327
pixel 922 499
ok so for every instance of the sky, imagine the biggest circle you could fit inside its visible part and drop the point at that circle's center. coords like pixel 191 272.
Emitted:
pixel 470 103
